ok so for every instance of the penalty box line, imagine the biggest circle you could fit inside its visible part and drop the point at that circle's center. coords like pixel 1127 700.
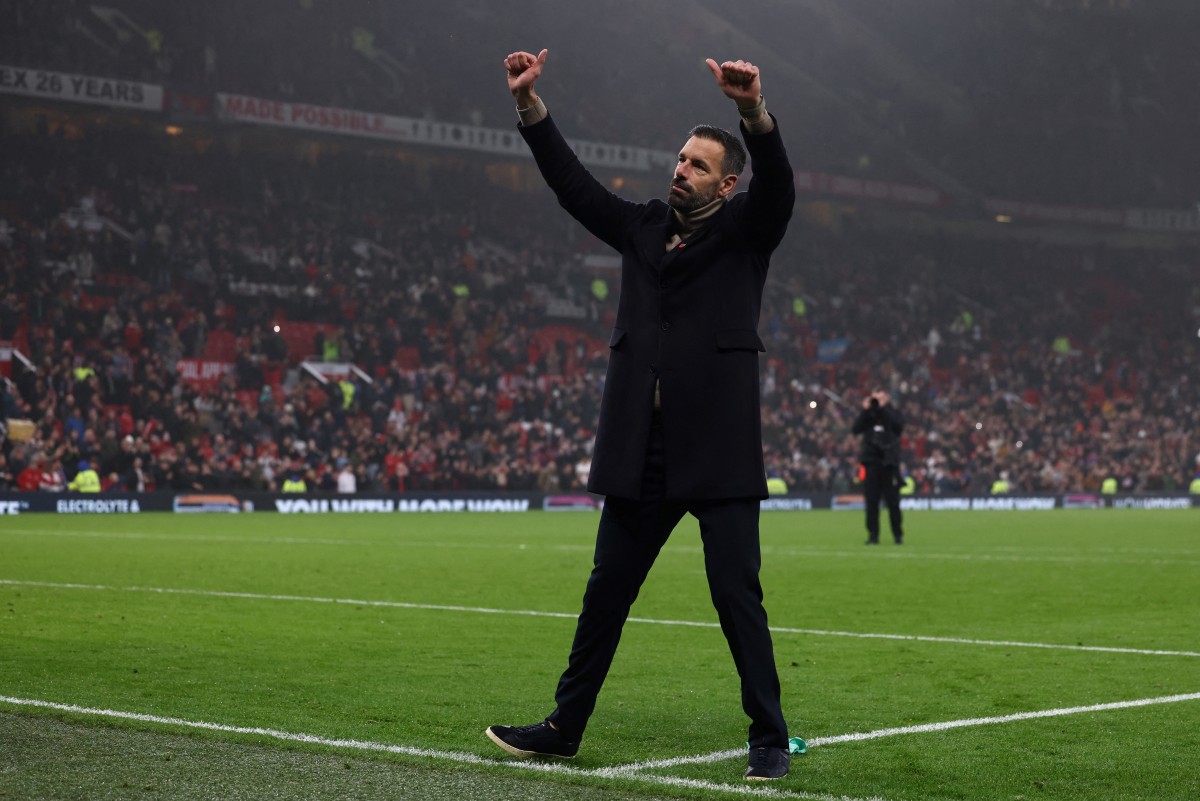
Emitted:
pixel 718 756
pixel 534 766
pixel 483 610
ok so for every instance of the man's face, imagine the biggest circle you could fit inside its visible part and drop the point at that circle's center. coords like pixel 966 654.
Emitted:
pixel 698 178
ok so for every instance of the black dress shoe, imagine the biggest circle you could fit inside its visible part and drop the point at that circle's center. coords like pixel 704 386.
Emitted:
pixel 766 764
pixel 540 739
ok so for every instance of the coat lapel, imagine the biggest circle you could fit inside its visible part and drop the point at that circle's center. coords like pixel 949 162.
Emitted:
pixel 652 240
pixel 652 243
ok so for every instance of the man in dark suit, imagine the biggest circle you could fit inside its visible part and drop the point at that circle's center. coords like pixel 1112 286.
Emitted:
pixel 680 429
pixel 880 424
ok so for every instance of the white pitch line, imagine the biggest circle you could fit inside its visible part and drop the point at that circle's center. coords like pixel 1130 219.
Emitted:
pixel 1070 550
pixel 923 638
pixel 446 756
pixel 992 643
pixel 1169 558
pixel 135 535
pixel 483 610
pixel 254 596
pixel 222 538
pixel 975 557
pixel 1018 716
pixel 718 756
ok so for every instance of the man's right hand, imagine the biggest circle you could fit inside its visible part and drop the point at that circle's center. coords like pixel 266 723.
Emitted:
pixel 523 71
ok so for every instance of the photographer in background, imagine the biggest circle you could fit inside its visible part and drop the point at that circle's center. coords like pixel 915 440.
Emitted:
pixel 880 425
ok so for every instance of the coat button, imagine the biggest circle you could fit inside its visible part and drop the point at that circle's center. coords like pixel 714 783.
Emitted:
pixel 666 326
pixel 653 369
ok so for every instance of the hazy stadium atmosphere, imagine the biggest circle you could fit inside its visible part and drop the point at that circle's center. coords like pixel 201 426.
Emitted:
pixel 293 256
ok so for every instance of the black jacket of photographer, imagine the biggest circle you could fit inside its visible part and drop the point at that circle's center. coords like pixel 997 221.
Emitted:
pixel 880 427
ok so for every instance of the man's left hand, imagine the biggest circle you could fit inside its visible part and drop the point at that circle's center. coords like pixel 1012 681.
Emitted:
pixel 738 80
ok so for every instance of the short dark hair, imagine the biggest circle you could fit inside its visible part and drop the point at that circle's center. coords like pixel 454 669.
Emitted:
pixel 735 155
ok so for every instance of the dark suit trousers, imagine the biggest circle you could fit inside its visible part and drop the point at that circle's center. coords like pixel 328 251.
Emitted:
pixel 882 482
pixel 631 534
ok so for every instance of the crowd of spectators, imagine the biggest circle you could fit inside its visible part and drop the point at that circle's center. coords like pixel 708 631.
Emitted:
pixel 471 312
pixel 1056 366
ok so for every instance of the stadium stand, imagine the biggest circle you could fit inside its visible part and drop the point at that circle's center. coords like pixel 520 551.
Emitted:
pixel 166 290
pixel 944 91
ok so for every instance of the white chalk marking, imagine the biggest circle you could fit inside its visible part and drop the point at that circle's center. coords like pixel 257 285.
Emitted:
pixel 222 538
pixel 483 610
pixel 446 756
pixel 1173 558
pixel 815 742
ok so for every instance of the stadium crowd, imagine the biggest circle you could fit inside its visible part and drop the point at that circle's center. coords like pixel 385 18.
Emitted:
pixel 482 331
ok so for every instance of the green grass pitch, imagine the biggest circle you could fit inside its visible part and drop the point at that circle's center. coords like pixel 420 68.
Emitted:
pixel 362 656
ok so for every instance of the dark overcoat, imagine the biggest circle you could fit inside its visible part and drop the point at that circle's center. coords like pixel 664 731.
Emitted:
pixel 687 319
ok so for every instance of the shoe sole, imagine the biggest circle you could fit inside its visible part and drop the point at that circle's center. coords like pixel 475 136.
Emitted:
pixel 517 752
pixel 763 778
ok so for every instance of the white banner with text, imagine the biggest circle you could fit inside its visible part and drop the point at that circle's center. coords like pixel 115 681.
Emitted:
pixel 73 88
